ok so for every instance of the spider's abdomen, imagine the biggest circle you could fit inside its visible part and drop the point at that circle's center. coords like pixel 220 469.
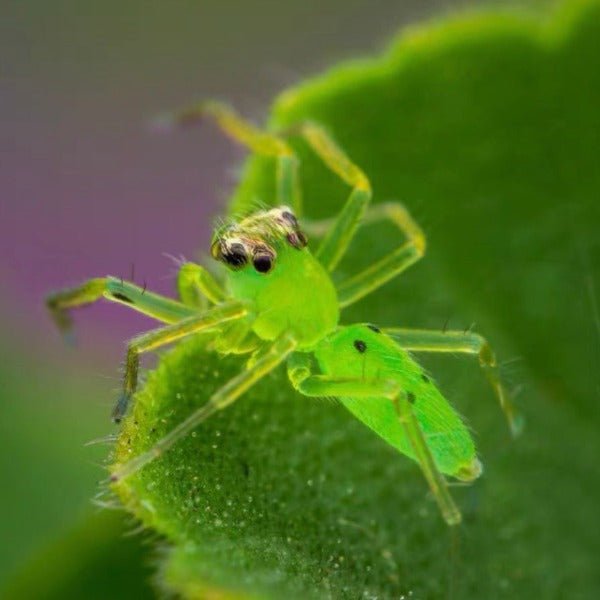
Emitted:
pixel 363 352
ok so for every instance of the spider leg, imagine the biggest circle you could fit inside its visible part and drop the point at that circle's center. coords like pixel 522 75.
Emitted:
pixel 341 230
pixel 116 290
pixel 435 479
pixel 311 385
pixel 338 238
pixel 257 140
pixel 394 263
pixel 194 283
pixel 424 340
pixel 156 338
pixel 231 391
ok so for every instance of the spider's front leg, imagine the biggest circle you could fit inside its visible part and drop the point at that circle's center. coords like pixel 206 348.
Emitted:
pixel 152 340
pixel 311 385
pixel 257 140
pixel 61 303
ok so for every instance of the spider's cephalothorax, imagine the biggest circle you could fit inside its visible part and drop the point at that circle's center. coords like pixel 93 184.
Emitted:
pixel 276 301
pixel 270 265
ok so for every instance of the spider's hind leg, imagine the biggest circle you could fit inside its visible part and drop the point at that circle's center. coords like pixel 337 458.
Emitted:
pixel 303 380
pixel 468 342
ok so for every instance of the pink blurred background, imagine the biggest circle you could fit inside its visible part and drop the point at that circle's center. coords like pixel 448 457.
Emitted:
pixel 87 189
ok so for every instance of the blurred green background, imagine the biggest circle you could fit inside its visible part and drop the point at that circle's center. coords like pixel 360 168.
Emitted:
pixel 87 190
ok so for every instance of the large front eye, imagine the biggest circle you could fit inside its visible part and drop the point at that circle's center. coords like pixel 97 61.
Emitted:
pixel 235 256
pixel 263 263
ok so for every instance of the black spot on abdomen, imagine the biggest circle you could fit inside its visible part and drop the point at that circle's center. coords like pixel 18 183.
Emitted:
pixel 411 397
pixel 360 346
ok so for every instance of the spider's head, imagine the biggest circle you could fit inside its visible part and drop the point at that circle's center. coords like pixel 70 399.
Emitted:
pixel 256 240
pixel 270 267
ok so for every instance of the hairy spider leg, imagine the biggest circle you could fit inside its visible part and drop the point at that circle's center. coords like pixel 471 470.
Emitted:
pixel 257 140
pixel 308 384
pixel 277 352
pixel 424 340
pixel 156 338
pixel 128 294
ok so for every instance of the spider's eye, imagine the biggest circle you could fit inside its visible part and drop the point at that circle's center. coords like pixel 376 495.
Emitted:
pixel 297 239
pixel 263 263
pixel 235 256
pixel 290 217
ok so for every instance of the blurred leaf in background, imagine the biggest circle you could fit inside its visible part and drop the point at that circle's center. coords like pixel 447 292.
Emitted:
pixel 44 423
pixel 95 560
pixel 487 127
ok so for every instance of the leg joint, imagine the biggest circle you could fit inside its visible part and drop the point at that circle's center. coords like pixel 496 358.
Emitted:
pixel 486 355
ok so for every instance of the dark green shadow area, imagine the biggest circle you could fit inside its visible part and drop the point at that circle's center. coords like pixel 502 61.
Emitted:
pixel 54 543
pixel 48 477
pixel 488 128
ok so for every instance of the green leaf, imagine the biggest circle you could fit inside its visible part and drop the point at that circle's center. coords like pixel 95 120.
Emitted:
pixel 488 128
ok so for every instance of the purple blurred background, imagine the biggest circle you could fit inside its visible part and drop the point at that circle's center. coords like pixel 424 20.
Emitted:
pixel 87 189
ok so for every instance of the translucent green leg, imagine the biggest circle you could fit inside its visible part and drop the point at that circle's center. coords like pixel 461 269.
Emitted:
pixel 338 238
pixel 225 396
pixel 390 266
pixel 435 479
pixel 257 140
pixel 166 335
pixel 324 385
pixel 194 283
pixel 160 308
pixel 424 340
